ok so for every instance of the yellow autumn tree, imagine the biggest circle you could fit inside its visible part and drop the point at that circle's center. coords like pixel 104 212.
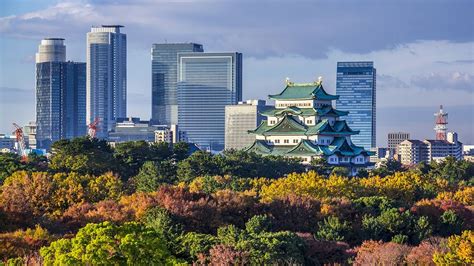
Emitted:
pixel 461 250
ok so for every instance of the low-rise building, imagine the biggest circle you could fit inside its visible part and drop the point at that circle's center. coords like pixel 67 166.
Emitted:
pixel 131 129
pixel 439 149
pixel 416 151
pixel 29 132
pixel 7 143
pixel 381 153
pixel 169 134
pixel 413 151
pixel 134 129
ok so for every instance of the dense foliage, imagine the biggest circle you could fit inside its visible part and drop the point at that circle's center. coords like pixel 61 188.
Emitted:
pixel 159 204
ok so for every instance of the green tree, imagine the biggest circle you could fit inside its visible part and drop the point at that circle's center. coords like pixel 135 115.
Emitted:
pixel 453 170
pixel 83 155
pixel 388 167
pixel 194 244
pixel 332 229
pixel 133 154
pixel 340 171
pixel 154 174
pixel 200 163
pixel 321 166
pixel 389 223
pixel 258 224
pixel 11 162
pixel 109 244
pixel 450 223
pixel 161 221
pixel 181 151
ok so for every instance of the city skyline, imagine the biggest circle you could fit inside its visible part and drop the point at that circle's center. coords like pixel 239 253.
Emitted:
pixel 422 61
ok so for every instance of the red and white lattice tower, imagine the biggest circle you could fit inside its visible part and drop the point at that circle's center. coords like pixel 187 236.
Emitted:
pixel 440 124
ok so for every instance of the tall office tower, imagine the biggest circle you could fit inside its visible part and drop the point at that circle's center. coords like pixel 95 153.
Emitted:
pixel 207 82
pixel 164 75
pixel 241 118
pixel 395 138
pixel 356 86
pixel 106 76
pixel 60 96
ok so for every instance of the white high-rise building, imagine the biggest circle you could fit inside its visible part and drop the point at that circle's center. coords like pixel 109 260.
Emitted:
pixel 106 76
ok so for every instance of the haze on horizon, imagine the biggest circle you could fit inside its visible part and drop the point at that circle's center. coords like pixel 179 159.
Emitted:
pixel 423 51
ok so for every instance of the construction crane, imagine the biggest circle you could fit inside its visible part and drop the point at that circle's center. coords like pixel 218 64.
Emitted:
pixel 93 127
pixel 20 139
pixel 440 124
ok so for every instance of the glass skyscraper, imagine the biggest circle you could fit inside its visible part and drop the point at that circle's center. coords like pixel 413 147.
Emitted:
pixel 207 82
pixel 356 86
pixel 106 76
pixel 164 76
pixel 60 95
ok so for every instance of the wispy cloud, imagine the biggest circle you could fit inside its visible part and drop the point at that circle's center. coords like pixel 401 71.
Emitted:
pixel 445 81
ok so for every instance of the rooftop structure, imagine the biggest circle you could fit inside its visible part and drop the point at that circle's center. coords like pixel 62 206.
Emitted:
pixel 304 124
pixel 51 50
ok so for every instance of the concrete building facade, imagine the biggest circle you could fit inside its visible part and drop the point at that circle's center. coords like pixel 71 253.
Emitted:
pixel 241 118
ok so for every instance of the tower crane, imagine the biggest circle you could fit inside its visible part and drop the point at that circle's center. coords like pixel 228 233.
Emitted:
pixel 93 127
pixel 20 139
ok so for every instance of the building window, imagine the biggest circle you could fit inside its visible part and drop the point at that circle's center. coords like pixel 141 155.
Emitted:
pixel 286 141
pixel 310 121
pixel 295 141
pixel 277 141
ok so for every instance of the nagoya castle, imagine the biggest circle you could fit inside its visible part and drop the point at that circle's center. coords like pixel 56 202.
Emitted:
pixel 304 124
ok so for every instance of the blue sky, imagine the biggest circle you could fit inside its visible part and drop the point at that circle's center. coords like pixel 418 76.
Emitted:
pixel 423 50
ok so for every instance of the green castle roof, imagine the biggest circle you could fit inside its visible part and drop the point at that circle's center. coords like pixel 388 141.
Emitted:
pixel 305 147
pixel 293 110
pixel 304 91
pixel 290 126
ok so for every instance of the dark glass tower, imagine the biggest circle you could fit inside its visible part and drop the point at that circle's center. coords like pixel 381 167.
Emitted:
pixel 356 86
pixel 164 69
pixel 207 82
pixel 60 94
pixel 60 101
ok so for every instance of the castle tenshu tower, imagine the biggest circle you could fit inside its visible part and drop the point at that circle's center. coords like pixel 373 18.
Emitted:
pixel 304 124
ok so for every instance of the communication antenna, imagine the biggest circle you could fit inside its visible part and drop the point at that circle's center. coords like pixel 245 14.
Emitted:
pixel 441 121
